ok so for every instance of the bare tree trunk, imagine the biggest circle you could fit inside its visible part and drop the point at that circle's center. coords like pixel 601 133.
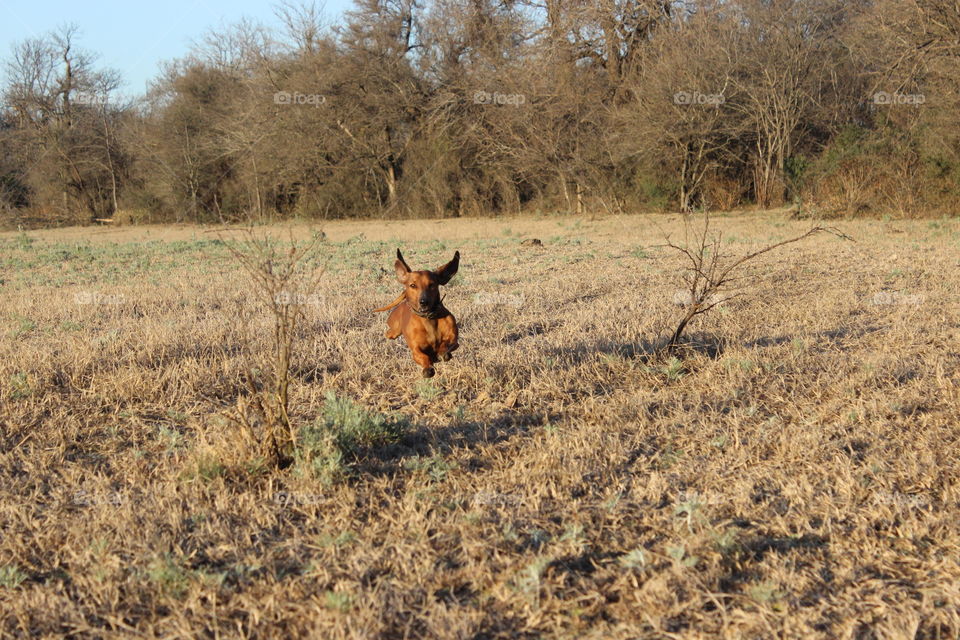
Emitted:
pixel 113 170
pixel 391 186
pixel 684 190
pixel 611 40
pixel 767 179
pixel 256 186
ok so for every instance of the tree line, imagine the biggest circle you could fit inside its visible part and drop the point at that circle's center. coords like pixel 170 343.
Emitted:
pixel 435 108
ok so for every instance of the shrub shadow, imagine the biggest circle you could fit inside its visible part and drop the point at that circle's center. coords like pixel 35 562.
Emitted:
pixel 825 339
pixel 646 351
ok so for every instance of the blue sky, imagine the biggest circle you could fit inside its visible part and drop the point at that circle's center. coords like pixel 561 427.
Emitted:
pixel 135 36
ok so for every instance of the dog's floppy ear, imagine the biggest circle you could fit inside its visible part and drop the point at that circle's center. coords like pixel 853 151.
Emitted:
pixel 448 270
pixel 400 266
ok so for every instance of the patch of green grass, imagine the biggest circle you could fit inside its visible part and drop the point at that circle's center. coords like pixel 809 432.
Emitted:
pixel 171 438
pixel 573 535
pixel 434 466
pixel 529 578
pixel 344 429
pixel 19 386
pixel 727 541
pixel 679 554
pixel 428 389
pixel 764 593
pixel 636 559
pixel 690 509
pixel 740 363
pixel 459 415
pixel 22 326
pixel 69 325
pixel 169 576
pixel 207 468
pixel 23 241
pixel 720 442
pixel 60 263
pixel 11 577
pixel 337 601
pixel 177 417
pixel 674 369
pixel 671 456
pixel 342 539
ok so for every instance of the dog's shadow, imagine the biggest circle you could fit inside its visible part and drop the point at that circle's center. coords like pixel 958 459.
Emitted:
pixel 425 441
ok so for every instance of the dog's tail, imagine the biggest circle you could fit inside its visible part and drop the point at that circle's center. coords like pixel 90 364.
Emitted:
pixel 399 300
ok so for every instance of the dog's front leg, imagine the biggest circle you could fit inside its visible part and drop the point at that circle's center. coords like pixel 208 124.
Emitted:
pixel 447 330
pixel 424 360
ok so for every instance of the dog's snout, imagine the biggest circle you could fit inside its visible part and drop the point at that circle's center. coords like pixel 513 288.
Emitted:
pixel 424 301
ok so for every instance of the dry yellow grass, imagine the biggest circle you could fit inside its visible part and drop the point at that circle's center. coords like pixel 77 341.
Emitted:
pixel 793 476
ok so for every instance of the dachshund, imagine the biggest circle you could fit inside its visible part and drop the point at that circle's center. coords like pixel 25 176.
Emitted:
pixel 429 329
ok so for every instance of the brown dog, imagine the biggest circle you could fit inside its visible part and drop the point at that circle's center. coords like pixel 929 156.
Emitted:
pixel 418 313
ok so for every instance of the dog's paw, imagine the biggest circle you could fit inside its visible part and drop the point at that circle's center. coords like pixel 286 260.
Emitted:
pixel 428 372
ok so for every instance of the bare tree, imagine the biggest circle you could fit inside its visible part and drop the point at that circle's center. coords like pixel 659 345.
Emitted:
pixel 682 116
pixel 710 275
pixel 64 115
pixel 785 58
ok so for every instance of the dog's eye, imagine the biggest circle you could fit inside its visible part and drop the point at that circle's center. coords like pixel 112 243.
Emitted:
pixel 413 286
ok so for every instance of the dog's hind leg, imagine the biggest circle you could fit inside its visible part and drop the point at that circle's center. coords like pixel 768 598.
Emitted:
pixel 394 324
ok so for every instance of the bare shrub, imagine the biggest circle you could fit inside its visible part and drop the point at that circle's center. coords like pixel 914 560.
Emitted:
pixel 281 279
pixel 711 274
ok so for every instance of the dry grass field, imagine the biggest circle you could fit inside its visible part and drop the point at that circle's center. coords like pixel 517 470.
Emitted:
pixel 792 474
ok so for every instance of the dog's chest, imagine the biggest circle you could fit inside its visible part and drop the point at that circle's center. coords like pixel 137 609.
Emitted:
pixel 432 332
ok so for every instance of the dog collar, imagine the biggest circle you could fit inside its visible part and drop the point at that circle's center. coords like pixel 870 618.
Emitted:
pixel 433 314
